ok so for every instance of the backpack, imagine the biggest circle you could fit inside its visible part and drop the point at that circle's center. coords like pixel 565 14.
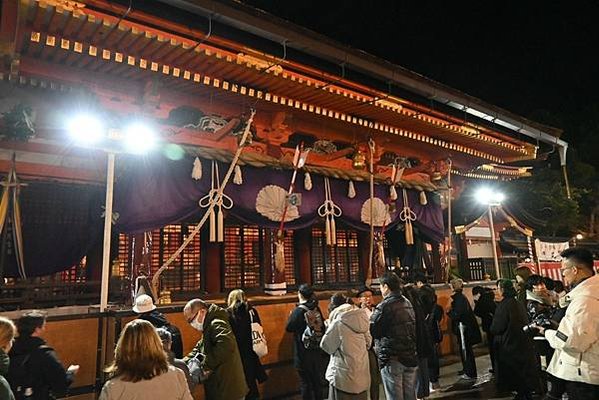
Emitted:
pixel 177 340
pixel 19 375
pixel 314 328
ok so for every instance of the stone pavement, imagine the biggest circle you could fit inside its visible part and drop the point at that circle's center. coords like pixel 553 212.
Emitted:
pixel 483 389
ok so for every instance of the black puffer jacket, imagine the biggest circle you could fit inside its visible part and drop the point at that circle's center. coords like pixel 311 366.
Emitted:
pixel 393 327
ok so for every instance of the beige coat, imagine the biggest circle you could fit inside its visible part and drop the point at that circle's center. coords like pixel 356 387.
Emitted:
pixel 347 340
pixel 171 385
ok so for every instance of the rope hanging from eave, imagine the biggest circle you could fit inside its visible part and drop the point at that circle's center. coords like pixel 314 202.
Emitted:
pixel 210 208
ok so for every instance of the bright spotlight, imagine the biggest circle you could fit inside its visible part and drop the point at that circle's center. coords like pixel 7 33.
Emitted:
pixel 579 236
pixel 488 196
pixel 498 197
pixel 139 138
pixel 86 129
pixel 484 195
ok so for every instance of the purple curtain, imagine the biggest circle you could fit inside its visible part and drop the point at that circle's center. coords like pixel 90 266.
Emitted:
pixel 153 193
pixel 60 222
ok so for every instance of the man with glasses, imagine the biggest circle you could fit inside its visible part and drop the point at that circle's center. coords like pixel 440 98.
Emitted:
pixel 576 340
pixel 218 350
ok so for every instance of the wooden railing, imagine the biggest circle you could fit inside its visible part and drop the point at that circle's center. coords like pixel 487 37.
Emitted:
pixel 32 294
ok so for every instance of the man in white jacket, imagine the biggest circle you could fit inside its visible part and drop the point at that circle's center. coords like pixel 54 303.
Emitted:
pixel 576 340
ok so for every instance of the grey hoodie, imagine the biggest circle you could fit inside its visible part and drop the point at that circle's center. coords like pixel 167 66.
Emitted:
pixel 347 340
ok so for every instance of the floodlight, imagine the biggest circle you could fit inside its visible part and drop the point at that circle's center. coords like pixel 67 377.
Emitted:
pixel 484 195
pixel 487 196
pixel 86 129
pixel 498 197
pixel 579 236
pixel 139 138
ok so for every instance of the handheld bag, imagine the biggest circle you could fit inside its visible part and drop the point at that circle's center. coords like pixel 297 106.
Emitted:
pixel 258 337
pixel 196 369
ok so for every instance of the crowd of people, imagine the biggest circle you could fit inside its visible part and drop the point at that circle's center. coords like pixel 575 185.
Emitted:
pixel 543 340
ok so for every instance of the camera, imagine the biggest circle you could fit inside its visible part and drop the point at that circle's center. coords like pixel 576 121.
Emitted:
pixel 539 321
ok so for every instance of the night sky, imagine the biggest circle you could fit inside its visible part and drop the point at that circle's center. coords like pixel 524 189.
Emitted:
pixel 537 59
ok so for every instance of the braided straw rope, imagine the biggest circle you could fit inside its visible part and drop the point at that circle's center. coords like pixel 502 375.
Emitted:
pixel 258 160
pixel 221 189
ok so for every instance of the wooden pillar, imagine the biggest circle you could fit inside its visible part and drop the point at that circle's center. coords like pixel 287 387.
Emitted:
pixel 303 237
pixel 211 260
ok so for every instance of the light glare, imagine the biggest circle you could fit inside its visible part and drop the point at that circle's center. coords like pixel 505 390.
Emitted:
pixel 139 138
pixel 488 196
pixel 86 129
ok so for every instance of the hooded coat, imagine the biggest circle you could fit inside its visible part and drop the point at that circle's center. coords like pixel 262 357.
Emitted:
pixel 576 340
pixel 347 339
pixel 219 347
pixel 5 392
pixel 49 377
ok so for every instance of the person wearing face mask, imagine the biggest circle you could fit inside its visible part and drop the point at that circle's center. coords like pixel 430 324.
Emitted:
pixel 576 340
pixel 219 349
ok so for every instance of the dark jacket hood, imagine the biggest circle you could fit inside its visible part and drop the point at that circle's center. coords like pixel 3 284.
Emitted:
pixel 311 304
pixel 24 345
pixel 155 317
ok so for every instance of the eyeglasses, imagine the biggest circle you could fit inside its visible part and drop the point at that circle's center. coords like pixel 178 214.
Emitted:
pixel 563 270
pixel 189 321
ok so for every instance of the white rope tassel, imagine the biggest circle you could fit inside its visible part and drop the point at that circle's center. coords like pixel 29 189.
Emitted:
pixel 392 193
pixel 215 201
pixel 237 178
pixel 407 216
pixel 307 181
pixel 196 172
pixel 220 237
pixel 211 204
pixel 329 210
pixel 351 190
pixel 212 226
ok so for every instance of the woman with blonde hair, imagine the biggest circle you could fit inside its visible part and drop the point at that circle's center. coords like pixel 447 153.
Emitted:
pixel 241 316
pixel 140 370
pixel 7 335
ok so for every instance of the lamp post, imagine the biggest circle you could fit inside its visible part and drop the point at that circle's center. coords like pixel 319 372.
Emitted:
pixel 138 138
pixel 492 198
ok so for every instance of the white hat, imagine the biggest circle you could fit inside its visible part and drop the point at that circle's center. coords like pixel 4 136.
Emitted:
pixel 143 304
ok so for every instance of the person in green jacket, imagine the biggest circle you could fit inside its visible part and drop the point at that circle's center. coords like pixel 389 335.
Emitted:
pixel 219 350
pixel 7 335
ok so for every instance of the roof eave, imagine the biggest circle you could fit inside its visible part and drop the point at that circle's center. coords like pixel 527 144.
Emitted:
pixel 277 30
